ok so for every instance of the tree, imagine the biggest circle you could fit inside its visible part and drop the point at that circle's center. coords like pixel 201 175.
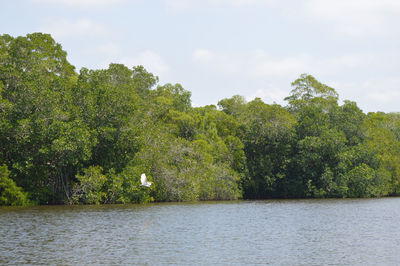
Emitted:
pixel 87 137
pixel 349 119
pixel 266 132
pixel 309 91
pixel 36 80
pixel 233 106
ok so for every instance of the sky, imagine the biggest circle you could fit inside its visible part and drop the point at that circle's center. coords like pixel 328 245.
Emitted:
pixel 219 48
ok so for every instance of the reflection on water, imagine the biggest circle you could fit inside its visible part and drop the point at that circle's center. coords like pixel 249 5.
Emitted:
pixel 277 232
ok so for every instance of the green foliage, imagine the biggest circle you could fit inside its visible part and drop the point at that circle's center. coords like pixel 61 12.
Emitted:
pixel 266 132
pixel 94 187
pixel 90 188
pixel 363 181
pixel 309 91
pixel 186 124
pixel 186 171
pixel 233 106
pixel 349 119
pixel 179 96
pixel 10 193
pixel 87 137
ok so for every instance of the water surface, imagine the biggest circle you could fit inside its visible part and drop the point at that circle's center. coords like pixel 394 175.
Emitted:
pixel 276 232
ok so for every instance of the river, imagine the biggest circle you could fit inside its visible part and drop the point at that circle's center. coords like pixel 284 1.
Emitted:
pixel 274 232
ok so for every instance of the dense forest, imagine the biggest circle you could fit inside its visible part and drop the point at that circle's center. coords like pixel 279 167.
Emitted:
pixel 85 138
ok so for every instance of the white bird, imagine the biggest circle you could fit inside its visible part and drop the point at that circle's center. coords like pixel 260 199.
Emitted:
pixel 143 179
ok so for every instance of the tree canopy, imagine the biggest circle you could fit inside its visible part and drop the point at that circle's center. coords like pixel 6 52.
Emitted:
pixel 85 138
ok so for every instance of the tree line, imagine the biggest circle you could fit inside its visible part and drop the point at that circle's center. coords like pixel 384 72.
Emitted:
pixel 85 138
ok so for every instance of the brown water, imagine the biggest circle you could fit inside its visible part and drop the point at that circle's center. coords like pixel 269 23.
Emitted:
pixel 276 232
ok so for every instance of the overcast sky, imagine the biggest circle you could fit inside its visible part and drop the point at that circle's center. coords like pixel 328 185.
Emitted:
pixel 219 48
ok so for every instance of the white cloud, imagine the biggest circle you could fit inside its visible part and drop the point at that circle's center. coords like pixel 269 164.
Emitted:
pixel 383 91
pixel 259 64
pixel 61 28
pixel 371 94
pixel 345 63
pixel 78 3
pixel 357 18
pixel 384 97
pixel 269 95
pixel 349 18
pixel 108 49
pixel 202 55
pixel 222 63
pixel 184 5
pixel 286 66
pixel 361 77
pixel 104 54
pixel 149 59
pixel 107 53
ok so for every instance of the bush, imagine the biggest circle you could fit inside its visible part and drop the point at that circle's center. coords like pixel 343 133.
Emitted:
pixel 10 193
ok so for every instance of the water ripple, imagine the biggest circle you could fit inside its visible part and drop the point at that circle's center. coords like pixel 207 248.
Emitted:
pixel 276 232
